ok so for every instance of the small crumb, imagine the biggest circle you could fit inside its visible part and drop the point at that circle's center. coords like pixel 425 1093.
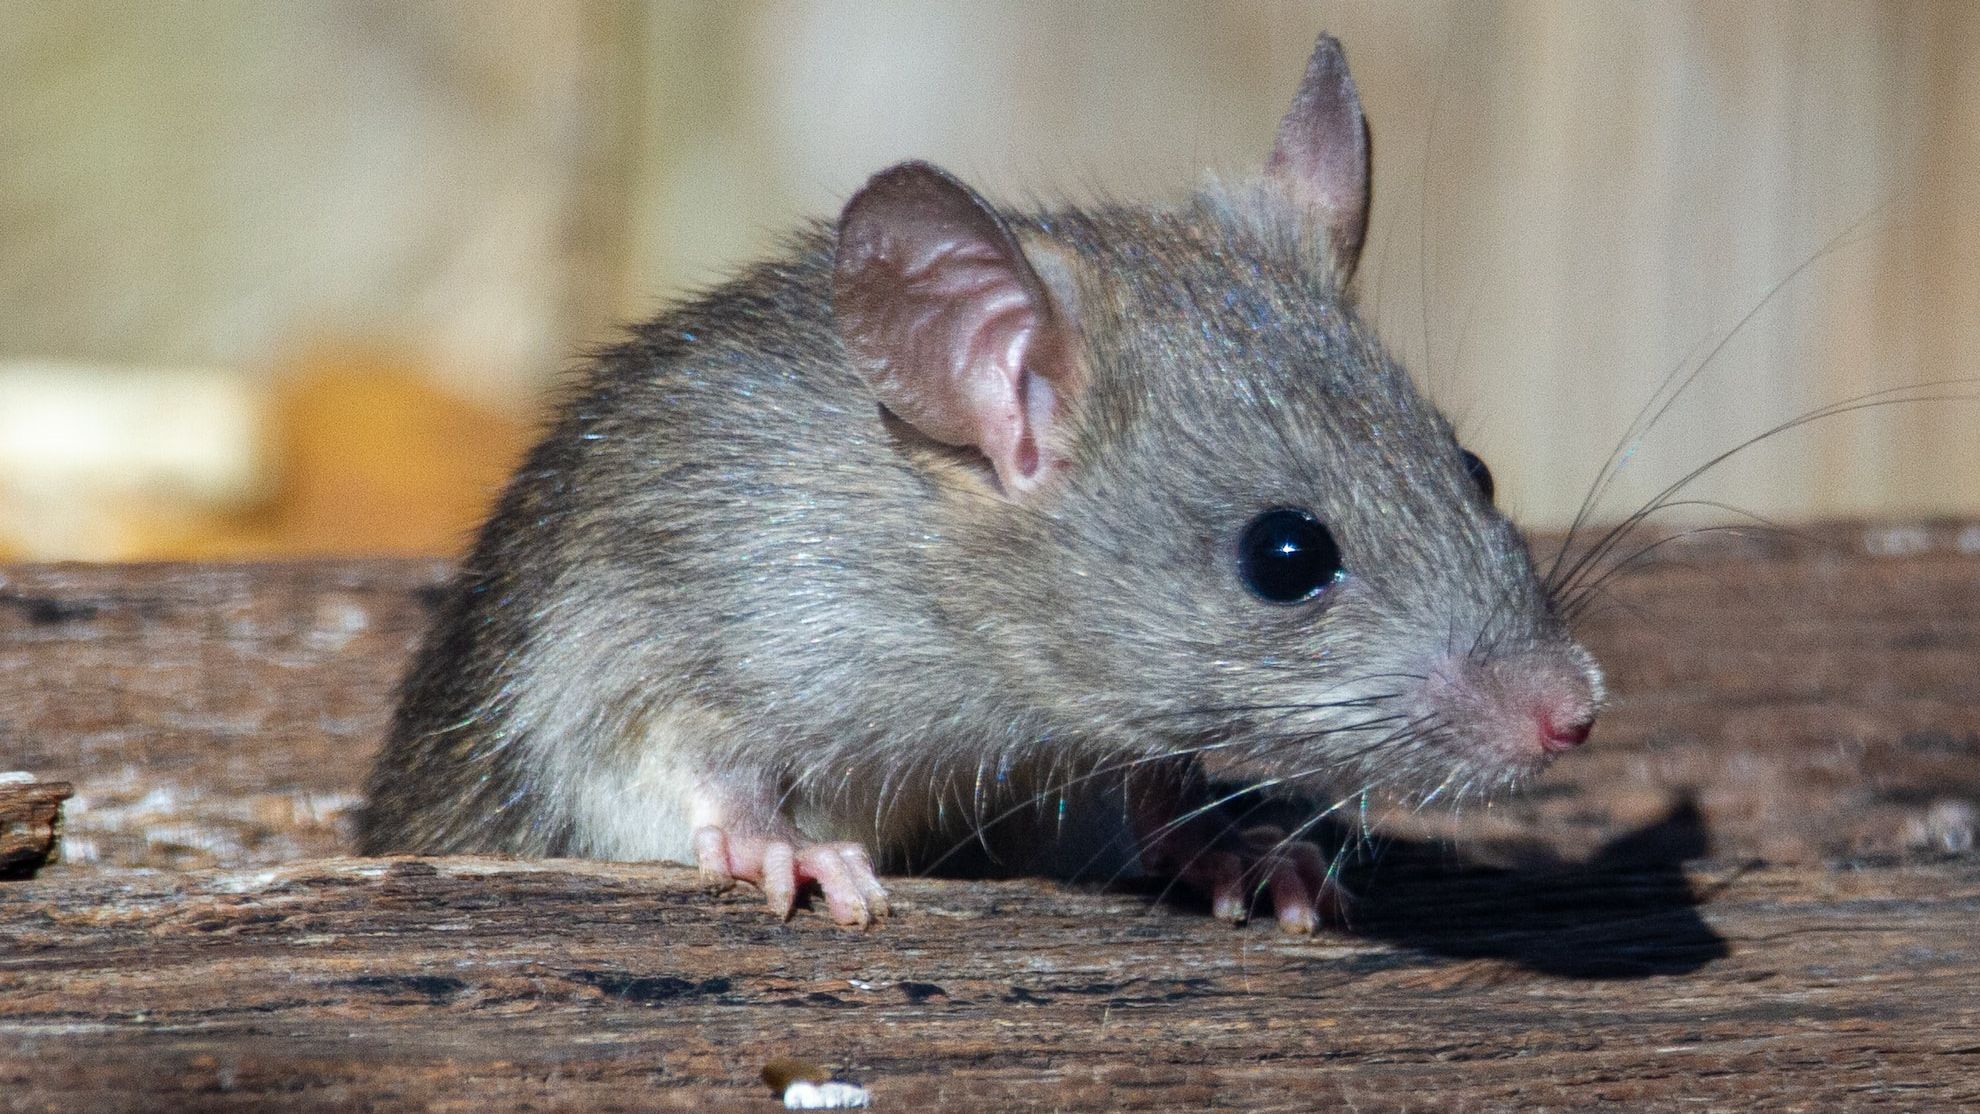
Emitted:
pixel 805 1085
pixel 1947 825
pixel 338 619
pixel 783 1071
pixel 833 1095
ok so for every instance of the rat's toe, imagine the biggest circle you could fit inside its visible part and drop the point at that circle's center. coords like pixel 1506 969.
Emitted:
pixel 1331 899
pixel 781 867
pixel 845 875
pixel 724 857
pixel 860 865
pixel 1295 904
pixel 1221 875
pixel 780 877
pixel 1304 895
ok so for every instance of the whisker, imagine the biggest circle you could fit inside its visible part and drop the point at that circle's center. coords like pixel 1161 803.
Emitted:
pixel 1868 400
pixel 1571 602
pixel 1651 412
pixel 1247 790
pixel 1259 787
pixel 1106 768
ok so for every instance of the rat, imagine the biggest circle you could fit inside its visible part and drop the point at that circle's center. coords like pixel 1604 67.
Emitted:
pixel 957 525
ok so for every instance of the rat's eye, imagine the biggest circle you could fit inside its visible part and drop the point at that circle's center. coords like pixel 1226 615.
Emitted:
pixel 1480 475
pixel 1287 555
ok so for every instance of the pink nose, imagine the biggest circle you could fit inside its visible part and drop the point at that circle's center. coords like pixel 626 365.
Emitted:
pixel 1556 737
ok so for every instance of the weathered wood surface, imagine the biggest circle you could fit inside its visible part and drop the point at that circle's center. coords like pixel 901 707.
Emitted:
pixel 473 985
pixel 208 715
pixel 1754 889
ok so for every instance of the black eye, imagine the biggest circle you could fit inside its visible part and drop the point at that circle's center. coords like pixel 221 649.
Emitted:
pixel 1287 555
pixel 1480 475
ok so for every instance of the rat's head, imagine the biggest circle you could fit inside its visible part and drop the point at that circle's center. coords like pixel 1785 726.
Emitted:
pixel 1208 509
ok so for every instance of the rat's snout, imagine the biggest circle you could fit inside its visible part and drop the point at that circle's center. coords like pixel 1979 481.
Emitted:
pixel 1561 691
pixel 1517 710
pixel 1563 730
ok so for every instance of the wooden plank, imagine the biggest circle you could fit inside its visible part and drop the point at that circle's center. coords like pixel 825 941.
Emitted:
pixel 476 984
pixel 1755 888
pixel 208 714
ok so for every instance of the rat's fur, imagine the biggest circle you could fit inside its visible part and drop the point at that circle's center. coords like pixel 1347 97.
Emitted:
pixel 725 548
pixel 727 564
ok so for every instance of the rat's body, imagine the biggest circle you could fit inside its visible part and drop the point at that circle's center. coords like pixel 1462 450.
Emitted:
pixel 942 517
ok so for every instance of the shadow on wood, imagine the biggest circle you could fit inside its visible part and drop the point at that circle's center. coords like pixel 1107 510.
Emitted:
pixel 1629 912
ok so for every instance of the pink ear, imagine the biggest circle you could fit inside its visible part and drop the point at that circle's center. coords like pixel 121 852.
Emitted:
pixel 1321 155
pixel 949 323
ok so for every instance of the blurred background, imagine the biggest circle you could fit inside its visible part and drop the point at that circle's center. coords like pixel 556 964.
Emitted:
pixel 296 278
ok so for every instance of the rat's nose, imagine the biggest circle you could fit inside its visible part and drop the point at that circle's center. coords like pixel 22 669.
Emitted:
pixel 1563 735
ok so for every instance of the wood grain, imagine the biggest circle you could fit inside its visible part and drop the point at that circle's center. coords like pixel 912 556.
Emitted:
pixel 472 984
pixel 1755 889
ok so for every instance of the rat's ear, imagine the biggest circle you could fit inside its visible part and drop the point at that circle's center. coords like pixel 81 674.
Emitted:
pixel 949 323
pixel 1321 156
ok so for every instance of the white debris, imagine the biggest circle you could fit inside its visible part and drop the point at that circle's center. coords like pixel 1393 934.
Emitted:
pixel 833 1095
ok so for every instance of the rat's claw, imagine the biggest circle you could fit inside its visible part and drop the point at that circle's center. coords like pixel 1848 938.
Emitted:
pixel 863 876
pixel 1292 871
pixel 1220 875
pixel 778 867
pixel 1304 895
pixel 1296 906
pixel 1296 876
pixel 1331 899
pixel 853 893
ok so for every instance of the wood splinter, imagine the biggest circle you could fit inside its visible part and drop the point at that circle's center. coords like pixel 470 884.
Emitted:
pixel 30 813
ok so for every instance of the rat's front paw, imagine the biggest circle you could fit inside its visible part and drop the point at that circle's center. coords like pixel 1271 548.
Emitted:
pixel 1304 893
pixel 843 872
